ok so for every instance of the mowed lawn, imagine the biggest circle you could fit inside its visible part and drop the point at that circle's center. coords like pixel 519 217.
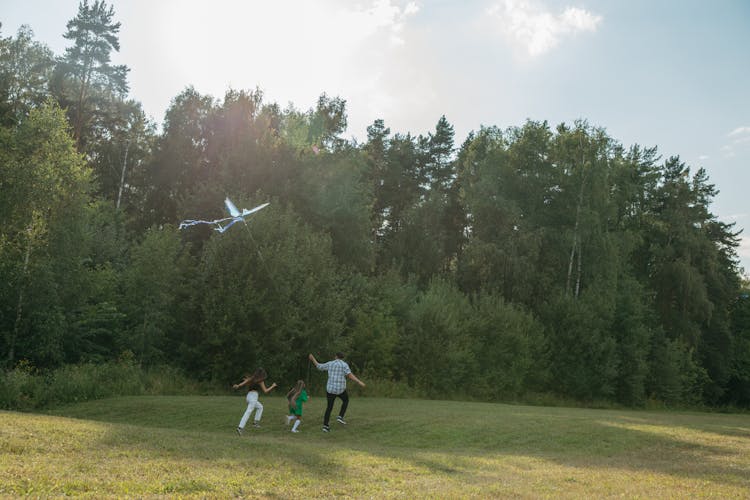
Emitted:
pixel 187 447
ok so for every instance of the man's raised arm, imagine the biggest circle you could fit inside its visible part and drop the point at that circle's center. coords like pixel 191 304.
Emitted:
pixel 312 358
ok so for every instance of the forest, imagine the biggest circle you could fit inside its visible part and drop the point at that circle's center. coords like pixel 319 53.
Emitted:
pixel 531 259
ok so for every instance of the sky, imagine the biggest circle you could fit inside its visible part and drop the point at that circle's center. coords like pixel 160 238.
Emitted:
pixel 668 73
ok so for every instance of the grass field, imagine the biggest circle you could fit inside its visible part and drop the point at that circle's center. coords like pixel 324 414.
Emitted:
pixel 187 447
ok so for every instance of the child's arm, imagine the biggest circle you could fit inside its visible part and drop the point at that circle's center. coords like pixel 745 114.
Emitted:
pixel 265 389
pixel 244 382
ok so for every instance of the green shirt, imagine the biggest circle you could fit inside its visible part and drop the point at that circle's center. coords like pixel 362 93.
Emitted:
pixel 297 409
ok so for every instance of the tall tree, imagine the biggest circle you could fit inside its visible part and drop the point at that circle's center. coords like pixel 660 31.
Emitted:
pixel 429 240
pixel 86 82
pixel 120 162
pixel 152 283
pixel 376 151
pixel 738 386
pixel 394 172
pixel 692 271
pixel 328 121
pixel 25 68
pixel 42 197
pixel 438 167
pixel 181 163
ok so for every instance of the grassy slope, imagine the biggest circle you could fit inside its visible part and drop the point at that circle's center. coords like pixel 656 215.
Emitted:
pixel 186 446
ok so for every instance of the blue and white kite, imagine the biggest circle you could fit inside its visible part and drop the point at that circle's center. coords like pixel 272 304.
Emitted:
pixel 227 222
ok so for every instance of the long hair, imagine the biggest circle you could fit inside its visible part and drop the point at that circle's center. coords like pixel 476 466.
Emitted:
pixel 257 377
pixel 294 392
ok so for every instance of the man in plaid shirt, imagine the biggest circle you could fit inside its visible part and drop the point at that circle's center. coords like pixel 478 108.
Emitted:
pixel 338 371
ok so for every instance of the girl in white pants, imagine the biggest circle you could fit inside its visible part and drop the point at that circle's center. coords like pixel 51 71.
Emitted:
pixel 253 383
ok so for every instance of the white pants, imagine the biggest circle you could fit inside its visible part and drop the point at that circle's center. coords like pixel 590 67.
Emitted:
pixel 252 404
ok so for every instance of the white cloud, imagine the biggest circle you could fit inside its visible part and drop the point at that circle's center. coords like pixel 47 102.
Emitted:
pixel 743 251
pixel 740 135
pixel 535 29
pixel 391 17
pixel 740 131
pixel 703 157
pixel 739 138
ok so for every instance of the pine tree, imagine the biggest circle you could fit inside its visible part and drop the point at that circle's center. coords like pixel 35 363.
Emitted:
pixel 86 82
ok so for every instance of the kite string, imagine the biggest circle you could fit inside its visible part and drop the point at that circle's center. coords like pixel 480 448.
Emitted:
pixel 257 249
pixel 308 374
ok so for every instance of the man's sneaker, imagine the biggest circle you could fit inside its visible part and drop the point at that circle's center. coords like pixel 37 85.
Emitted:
pixel 256 425
pixel 295 431
pixel 340 420
pixel 239 431
pixel 326 428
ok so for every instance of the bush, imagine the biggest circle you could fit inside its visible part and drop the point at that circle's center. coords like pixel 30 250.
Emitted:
pixel 25 389
pixel 18 386
pixel 379 387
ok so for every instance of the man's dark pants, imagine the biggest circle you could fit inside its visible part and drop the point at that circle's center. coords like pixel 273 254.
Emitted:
pixel 331 398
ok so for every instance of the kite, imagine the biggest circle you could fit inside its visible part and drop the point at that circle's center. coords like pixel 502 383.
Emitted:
pixel 227 222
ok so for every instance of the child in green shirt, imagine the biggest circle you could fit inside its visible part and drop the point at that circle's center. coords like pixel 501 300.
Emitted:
pixel 296 396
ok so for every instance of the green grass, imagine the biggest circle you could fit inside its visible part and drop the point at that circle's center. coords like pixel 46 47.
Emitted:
pixel 186 447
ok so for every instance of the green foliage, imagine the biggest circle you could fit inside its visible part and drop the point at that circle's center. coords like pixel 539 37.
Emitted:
pixel 43 195
pixel 633 330
pixel 436 347
pixel 373 327
pixel 25 67
pixel 269 294
pixel 151 285
pixel 25 388
pixel 739 383
pixel 531 260
pixel 337 200
pixel 85 81
pixel 582 351
pixel 674 376
pixel 508 344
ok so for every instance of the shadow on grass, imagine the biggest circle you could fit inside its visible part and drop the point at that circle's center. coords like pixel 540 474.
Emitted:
pixel 445 438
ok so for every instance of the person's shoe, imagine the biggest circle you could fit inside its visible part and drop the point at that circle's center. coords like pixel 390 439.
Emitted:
pixel 295 431
pixel 239 431
pixel 326 428
pixel 256 425
pixel 340 420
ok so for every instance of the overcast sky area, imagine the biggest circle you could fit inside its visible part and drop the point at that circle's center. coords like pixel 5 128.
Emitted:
pixel 668 73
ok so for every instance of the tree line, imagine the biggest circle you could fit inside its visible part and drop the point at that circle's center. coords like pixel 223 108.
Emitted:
pixel 535 259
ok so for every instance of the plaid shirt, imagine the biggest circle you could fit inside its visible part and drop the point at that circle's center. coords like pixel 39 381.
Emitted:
pixel 337 372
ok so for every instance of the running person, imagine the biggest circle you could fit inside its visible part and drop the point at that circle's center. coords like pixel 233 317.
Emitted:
pixel 296 396
pixel 253 382
pixel 338 371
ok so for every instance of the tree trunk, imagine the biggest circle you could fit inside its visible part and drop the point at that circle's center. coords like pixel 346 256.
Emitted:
pixel 578 275
pixel 79 112
pixel 576 247
pixel 571 258
pixel 122 176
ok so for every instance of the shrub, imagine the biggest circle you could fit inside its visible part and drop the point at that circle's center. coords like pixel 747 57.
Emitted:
pixel 25 389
